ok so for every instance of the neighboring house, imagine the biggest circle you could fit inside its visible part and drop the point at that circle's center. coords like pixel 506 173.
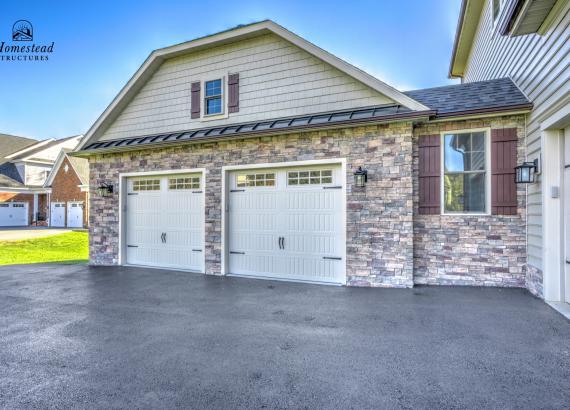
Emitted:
pixel 529 41
pixel 245 153
pixel 68 184
pixel 23 198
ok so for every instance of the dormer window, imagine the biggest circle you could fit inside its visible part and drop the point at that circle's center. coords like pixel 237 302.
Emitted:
pixel 213 97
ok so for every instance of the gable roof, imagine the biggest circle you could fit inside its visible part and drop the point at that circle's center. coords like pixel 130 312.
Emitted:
pixel 155 59
pixel 35 152
pixel 12 143
pixel 469 16
pixel 79 165
pixel 497 95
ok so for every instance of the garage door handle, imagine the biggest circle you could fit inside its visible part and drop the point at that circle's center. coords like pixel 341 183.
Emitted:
pixel 334 258
pixel 280 246
pixel 333 187
pixel 237 253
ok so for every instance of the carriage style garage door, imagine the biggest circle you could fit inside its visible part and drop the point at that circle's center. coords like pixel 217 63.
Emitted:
pixel 13 214
pixel 57 214
pixel 164 221
pixel 287 223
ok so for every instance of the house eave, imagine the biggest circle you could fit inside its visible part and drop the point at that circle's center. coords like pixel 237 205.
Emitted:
pixel 408 116
pixel 469 16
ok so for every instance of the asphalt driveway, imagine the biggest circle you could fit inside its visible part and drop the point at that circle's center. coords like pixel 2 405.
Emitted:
pixel 74 336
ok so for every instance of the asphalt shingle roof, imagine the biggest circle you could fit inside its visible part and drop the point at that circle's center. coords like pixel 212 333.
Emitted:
pixel 459 98
pixel 9 176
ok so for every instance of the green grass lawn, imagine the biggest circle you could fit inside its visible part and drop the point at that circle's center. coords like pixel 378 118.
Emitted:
pixel 69 247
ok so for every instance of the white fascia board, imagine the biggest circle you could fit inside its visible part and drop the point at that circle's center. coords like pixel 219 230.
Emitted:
pixel 26 190
pixel 153 61
pixel 53 171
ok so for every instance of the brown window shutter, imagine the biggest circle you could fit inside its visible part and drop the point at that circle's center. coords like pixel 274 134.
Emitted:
pixel 430 174
pixel 195 100
pixel 233 93
pixel 503 163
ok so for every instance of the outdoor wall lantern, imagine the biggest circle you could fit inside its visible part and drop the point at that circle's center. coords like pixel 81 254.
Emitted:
pixel 360 177
pixel 524 174
pixel 105 189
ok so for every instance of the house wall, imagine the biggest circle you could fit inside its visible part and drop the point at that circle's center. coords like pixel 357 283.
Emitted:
pixel 65 188
pixel 36 174
pixel 379 217
pixel 276 79
pixel 539 65
pixel 488 250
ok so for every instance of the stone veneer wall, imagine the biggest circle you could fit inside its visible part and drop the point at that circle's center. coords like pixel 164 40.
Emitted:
pixel 470 250
pixel 534 281
pixel 379 217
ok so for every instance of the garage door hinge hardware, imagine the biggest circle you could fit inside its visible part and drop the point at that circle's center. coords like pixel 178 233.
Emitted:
pixel 334 258
pixel 567 261
pixel 237 190
pixel 132 193
pixel 333 187
pixel 132 246
pixel 196 192
pixel 163 237
pixel 196 250
pixel 237 253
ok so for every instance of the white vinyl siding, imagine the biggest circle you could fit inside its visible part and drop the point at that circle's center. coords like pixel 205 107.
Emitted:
pixel 539 65
pixel 277 79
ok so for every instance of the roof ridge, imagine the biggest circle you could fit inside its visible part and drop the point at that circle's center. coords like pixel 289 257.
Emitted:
pixel 459 84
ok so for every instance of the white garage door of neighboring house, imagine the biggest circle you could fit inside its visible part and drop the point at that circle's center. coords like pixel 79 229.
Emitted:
pixel 74 214
pixel 57 214
pixel 165 221
pixel 288 224
pixel 13 214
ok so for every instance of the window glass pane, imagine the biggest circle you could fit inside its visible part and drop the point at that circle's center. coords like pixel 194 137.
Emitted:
pixel 293 181
pixel 327 180
pixel 303 181
pixel 326 173
pixel 464 192
pixel 214 105
pixel 213 88
pixel 303 174
pixel 293 174
pixel 464 152
pixel 270 182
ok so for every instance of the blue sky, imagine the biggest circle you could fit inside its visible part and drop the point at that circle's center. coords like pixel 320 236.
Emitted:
pixel 100 44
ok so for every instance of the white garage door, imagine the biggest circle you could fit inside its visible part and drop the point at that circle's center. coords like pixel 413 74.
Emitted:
pixel 74 214
pixel 165 222
pixel 57 214
pixel 13 214
pixel 288 224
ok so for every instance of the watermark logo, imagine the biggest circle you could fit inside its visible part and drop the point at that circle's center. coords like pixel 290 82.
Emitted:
pixel 22 30
pixel 23 47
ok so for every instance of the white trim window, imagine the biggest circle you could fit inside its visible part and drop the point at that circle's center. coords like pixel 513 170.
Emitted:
pixel 465 172
pixel 265 179
pixel 214 97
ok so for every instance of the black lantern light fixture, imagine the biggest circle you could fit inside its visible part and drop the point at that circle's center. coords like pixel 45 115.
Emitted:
pixel 360 177
pixel 105 189
pixel 524 174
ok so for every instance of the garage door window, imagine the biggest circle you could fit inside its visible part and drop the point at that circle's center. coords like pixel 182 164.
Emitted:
pixel 314 177
pixel 18 205
pixel 4 205
pixel 146 185
pixel 256 180
pixel 184 183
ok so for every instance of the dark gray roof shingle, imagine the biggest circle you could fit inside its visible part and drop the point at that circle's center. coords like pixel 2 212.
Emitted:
pixel 459 98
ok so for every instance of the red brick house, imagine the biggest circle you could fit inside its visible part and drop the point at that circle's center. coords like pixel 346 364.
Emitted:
pixel 24 166
pixel 68 184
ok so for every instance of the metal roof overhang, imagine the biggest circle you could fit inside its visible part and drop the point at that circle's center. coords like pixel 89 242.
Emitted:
pixel 351 118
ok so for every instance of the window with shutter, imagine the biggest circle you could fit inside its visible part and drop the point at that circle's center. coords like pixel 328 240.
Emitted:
pixel 429 174
pixel 233 93
pixel 195 100
pixel 503 163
